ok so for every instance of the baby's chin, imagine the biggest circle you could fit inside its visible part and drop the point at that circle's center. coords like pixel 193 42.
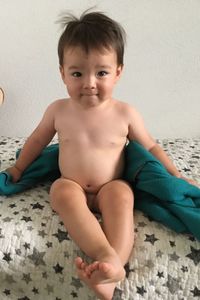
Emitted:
pixel 91 100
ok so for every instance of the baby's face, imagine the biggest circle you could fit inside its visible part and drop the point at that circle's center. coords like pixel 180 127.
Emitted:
pixel 90 77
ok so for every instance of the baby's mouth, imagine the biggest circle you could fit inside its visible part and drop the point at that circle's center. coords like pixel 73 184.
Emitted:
pixel 90 95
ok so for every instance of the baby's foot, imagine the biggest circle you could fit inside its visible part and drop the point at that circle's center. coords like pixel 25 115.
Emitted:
pixel 102 291
pixel 108 270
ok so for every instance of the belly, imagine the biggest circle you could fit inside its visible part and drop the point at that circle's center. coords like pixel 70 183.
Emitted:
pixel 91 168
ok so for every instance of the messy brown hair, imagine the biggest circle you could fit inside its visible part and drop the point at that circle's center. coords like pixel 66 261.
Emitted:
pixel 93 30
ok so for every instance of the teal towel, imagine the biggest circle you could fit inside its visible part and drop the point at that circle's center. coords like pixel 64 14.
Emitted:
pixel 44 168
pixel 163 197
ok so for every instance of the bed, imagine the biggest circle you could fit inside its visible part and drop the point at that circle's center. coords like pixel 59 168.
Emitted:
pixel 37 254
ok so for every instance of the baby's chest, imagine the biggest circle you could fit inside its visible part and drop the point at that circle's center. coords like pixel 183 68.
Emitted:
pixel 97 133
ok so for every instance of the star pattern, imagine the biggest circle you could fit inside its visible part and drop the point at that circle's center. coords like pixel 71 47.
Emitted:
pixel 49 244
pixel 172 243
pixel 27 278
pixel 58 269
pixel 149 263
pixel 26 219
pixel 194 255
pixel 117 294
pixel 191 238
pixel 42 233
pixel 18 251
pixel 7 257
pixel 27 246
pixel 37 206
pixel 160 274
pixel 9 279
pixel 61 235
pixel 128 269
pixel 44 275
pixel 35 291
pixel 184 269
pixel 39 264
pixel 76 283
pixel 1 235
pixel 151 238
pixel 195 292
pixel 141 290
pixel 173 257
pixel 6 292
pixel 142 224
pixel 13 205
pixel 159 253
pixel 7 220
pixel 74 294
pixel 173 284
pixel 49 289
pixel 37 257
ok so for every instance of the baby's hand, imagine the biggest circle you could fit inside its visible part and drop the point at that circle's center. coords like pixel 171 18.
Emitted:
pixel 15 173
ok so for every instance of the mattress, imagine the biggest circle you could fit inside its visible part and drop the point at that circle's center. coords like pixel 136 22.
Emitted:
pixel 37 254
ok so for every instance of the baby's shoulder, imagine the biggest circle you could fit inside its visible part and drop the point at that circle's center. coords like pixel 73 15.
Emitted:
pixel 57 105
pixel 125 107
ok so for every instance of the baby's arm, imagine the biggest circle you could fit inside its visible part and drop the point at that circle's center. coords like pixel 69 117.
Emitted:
pixel 34 145
pixel 139 133
pixel 161 155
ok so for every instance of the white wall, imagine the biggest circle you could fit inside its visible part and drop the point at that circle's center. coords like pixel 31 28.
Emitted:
pixel 162 62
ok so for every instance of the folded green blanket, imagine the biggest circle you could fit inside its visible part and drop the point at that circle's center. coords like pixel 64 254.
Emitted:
pixel 44 168
pixel 165 198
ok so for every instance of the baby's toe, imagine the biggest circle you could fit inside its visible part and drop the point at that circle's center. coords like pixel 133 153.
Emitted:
pixel 80 264
pixel 92 267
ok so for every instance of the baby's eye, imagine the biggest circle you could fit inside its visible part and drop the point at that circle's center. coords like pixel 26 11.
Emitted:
pixel 102 73
pixel 76 74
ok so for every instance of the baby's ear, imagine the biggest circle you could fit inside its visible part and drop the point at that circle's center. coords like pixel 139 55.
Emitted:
pixel 61 72
pixel 119 71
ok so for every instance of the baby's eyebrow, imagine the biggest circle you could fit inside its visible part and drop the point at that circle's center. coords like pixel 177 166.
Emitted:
pixel 103 67
pixel 74 67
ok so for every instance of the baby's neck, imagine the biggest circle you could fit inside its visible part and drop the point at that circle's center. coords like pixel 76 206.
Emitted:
pixel 91 106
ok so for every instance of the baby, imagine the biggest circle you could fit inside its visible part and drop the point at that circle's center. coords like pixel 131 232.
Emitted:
pixel 93 129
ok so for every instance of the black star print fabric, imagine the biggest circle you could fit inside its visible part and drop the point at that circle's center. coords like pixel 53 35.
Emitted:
pixel 37 254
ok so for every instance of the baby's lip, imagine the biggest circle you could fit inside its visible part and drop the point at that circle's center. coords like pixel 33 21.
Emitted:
pixel 90 95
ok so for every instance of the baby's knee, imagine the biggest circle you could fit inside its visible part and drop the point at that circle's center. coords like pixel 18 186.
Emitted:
pixel 125 195
pixel 119 192
pixel 62 194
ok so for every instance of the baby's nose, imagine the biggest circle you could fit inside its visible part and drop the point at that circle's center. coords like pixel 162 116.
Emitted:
pixel 90 82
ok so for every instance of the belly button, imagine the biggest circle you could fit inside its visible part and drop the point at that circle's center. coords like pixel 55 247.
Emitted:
pixel 88 185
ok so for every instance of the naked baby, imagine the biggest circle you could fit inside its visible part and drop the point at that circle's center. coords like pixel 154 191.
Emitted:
pixel 93 129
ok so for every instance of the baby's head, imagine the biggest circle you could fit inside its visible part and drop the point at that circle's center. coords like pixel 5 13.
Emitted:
pixel 92 31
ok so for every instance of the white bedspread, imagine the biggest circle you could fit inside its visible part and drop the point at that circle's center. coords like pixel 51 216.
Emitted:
pixel 37 254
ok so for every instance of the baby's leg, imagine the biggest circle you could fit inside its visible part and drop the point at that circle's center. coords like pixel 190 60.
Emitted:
pixel 69 201
pixel 115 202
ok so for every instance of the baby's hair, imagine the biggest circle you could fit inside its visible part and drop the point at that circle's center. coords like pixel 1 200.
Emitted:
pixel 92 31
